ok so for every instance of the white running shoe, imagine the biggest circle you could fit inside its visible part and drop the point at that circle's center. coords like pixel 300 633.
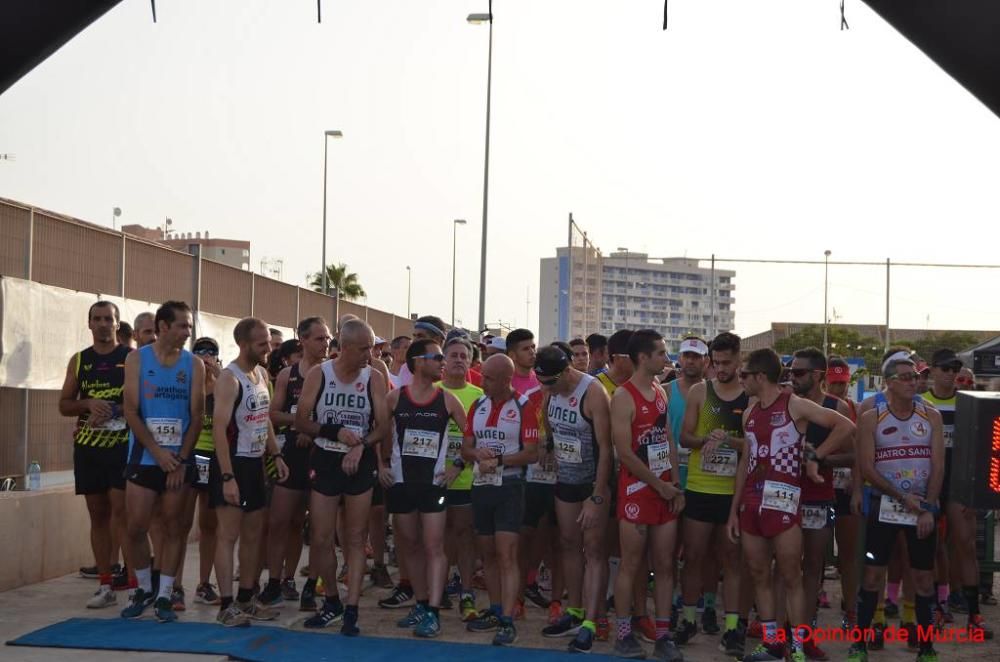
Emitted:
pixel 104 597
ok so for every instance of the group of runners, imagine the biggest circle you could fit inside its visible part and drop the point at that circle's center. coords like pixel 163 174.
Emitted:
pixel 714 485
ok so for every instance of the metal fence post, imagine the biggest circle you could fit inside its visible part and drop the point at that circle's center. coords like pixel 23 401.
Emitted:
pixel 196 265
pixel 124 247
pixel 26 412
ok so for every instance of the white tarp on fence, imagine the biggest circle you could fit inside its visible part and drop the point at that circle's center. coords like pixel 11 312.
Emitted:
pixel 43 325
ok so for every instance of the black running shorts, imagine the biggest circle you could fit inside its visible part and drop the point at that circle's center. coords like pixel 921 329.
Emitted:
pixel 99 469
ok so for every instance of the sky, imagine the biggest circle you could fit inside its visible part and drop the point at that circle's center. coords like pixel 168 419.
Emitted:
pixel 747 130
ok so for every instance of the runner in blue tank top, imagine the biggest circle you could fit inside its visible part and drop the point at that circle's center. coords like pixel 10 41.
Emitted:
pixel 164 402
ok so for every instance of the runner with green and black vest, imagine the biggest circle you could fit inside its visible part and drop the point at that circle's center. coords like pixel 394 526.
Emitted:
pixel 92 391
pixel 207 349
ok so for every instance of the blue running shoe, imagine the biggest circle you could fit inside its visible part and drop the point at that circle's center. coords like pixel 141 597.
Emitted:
pixel 506 635
pixel 411 620
pixel 139 601
pixel 164 610
pixel 325 617
pixel 583 642
pixel 429 627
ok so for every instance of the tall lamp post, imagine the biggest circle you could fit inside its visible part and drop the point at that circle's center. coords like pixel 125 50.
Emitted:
pixel 409 275
pixel 326 134
pixel 477 19
pixel 115 213
pixel 826 286
pixel 454 262
pixel 625 315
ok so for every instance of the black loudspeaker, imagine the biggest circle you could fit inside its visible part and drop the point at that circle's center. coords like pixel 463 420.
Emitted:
pixel 975 458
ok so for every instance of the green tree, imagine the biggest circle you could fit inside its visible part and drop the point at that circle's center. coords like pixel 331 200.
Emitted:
pixel 338 278
pixel 958 341
pixel 843 342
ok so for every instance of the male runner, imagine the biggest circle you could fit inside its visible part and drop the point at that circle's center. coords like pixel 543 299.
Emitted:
pixel 164 402
pixel 816 509
pixel 125 335
pixel 581 355
pixel 398 346
pixel 945 367
pixel 578 418
pixel 144 329
pixel 501 438
pixel 619 368
pixel 420 414
pixel 713 430
pixel 901 454
pixel 597 346
pixel 242 433
pixel 649 497
pixel 765 510
pixel 428 327
pixel 348 400
pixel 92 392
pixel 460 538
pixel 288 500
pixel 276 338
pixel 207 349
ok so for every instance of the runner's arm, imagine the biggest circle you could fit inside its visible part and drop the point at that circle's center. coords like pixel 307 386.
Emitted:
pixel 844 457
pixel 866 456
pixel 455 409
pixel 622 413
pixel 385 447
pixel 695 399
pixel 197 410
pixel 741 471
pixel 226 388
pixel 840 426
pixel 383 419
pixel 69 405
pixel 529 439
pixel 278 417
pixel 936 481
pixel 304 422
pixel 600 414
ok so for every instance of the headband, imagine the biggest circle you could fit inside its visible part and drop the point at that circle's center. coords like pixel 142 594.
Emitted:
pixel 427 326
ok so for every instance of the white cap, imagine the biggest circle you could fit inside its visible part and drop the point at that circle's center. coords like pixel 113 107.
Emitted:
pixel 694 345
pixel 498 343
pixel 379 341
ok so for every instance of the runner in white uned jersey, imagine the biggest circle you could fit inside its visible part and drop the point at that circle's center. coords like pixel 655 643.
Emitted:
pixel 242 431
pixel 342 407
pixel 577 416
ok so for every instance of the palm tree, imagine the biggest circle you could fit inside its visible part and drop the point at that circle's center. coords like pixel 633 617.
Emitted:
pixel 346 284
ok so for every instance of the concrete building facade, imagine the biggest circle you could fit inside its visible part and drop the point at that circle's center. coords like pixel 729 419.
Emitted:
pixel 232 252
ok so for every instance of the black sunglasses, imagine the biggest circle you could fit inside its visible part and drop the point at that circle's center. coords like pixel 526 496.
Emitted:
pixel 206 351
pixel 746 373
pixel 431 357
pixel 801 372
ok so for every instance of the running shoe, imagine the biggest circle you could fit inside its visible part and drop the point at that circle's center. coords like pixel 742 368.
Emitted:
pixel 177 599
pixel 446 602
pixel 400 597
pixel 891 609
pixel 603 630
pixel 583 642
pixel 271 595
pixel 555 612
pixel 105 597
pixel 645 628
pixel 929 655
pixel 288 590
pixel 857 653
pixel 380 576
pixel 164 610
pixel 629 647
pixel 683 634
pixel 232 617
pixel 823 600
pixel 764 654
pixel 666 651
pixel 813 651
pixel 137 604
pixel 468 607
pixel 429 627
pixel 733 643
pixel 567 626
pixel 325 617
pixel 257 611
pixel 205 595
pixel 412 619
pixel 307 599
pixel 977 624
pixel 709 621
pixel 878 637
pixel 89 572
pixel 911 636
pixel 797 656
pixel 506 635
pixel 956 603
pixel 120 580
pixel 454 586
pixel 532 593
pixel 487 621
pixel 349 628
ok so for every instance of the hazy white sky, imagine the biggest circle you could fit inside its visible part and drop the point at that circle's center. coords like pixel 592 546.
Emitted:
pixel 753 130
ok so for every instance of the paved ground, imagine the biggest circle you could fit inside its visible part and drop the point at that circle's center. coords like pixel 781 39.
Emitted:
pixel 32 607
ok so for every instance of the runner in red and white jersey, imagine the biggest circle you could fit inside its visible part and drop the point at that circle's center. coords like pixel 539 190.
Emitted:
pixel 765 510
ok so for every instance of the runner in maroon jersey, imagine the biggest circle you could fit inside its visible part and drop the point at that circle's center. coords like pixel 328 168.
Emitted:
pixel 765 510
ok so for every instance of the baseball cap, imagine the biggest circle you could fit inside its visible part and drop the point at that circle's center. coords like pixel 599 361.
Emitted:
pixel 550 361
pixel 498 343
pixel 695 345
pixel 944 357
pixel 205 343
pixel 921 366
pixel 457 333
pixel 379 341
pixel 838 374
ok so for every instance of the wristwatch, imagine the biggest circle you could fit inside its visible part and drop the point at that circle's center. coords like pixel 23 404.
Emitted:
pixel 458 463
pixel 227 477
pixel 597 499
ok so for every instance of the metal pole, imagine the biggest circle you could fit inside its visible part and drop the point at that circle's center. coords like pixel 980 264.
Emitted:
pixel 26 413
pixel 625 315
pixel 326 142
pixel 454 252
pixel 826 315
pixel 122 274
pixel 887 269
pixel 486 178
pixel 409 282
pixel 569 272
pixel 712 300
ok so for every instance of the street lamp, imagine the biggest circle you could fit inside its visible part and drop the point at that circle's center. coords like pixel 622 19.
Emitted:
pixel 115 213
pixel 826 285
pixel 454 252
pixel 476 19
pixel 620 249
pixel 326 134
pixel 409 275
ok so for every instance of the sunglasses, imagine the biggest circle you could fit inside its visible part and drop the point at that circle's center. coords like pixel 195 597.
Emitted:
pixel 964 382
pixel 431 357
pixel 746 373
pixel 908 377
pixel 801 372
pixel 951 367
pixel 206 352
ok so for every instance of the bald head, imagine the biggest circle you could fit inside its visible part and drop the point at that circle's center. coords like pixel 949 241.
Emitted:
pixel 344 319
pixel 497 372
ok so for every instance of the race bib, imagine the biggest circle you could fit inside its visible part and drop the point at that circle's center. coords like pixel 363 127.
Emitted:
pixel 948 433
pixel 201 463
pixel 454 447
pixel 842 478
pixel 258 443
pixel 537 473
pixel 892 511
pixel 166 431
pixel 294 409
pixel 569 451
pixel 335 445
pixel 814 517
pixel 659 457
pixel 781 497
pixel 683 456
pixel 721 463
pixel 421 443
pixel 111 425
pixel 495 479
